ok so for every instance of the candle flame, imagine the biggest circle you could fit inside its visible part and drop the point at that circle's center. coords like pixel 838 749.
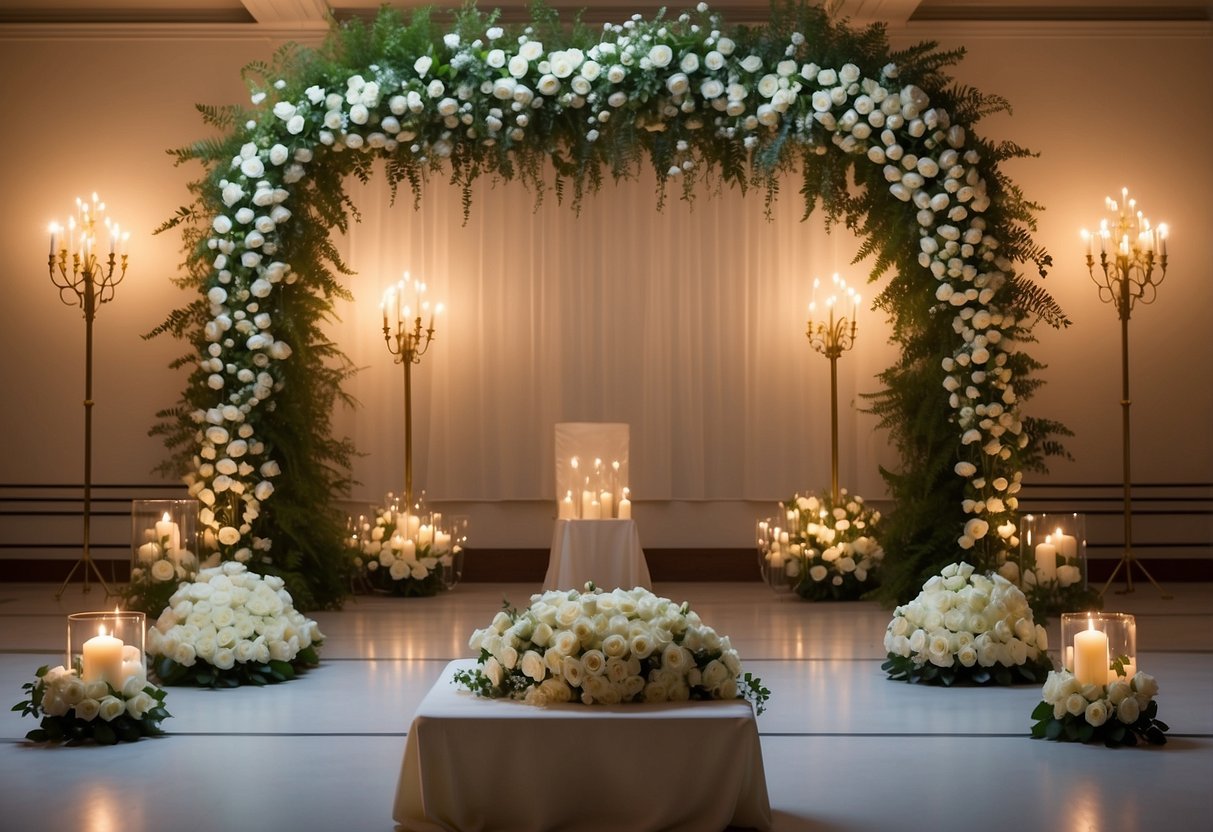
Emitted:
pixel 165 518
pixel 101 630
pixel 1090 624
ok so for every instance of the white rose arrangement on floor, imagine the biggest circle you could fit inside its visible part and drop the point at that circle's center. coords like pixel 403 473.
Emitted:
pixel 1122 712
pixel 600 647
pixel 966 627
pixel 75 711
pixel 833 553
pixel 231 627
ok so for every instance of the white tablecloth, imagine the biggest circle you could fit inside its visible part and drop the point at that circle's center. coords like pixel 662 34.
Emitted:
pixel 483 764
pixel 606 552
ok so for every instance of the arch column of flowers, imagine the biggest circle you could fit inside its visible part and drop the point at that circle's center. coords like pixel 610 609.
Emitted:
pixel 700 101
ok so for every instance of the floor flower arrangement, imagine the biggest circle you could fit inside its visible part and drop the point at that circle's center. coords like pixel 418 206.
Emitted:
pixel 966 627
pixel 1122 712
pixel 231 627
pixel 600 647
pixel 75 711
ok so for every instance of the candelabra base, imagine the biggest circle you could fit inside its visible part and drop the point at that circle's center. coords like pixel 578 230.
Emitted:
pixel 1127 562
pixel 89 565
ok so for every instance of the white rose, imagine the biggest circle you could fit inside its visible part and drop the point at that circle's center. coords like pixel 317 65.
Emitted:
pixel 533 666
pixel 163 570
pixel 87 709
pixel 1127 711
pixel 661 55
pixel 422 65
pixel 139 704
pixel 111 707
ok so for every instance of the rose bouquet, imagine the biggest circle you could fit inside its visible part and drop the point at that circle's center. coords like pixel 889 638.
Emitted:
pixel 232 626
pixel 966 627
pixel 75 711
pixel 607 648
pixel 407 554
pixel 836 554
pixel 1118 713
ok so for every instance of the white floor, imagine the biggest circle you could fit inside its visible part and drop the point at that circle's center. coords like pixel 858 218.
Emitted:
pixel 843 748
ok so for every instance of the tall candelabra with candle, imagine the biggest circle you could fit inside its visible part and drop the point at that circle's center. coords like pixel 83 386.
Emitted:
pixel 1130 265
pixel 86 279
pixel 408 330
pixel 832 336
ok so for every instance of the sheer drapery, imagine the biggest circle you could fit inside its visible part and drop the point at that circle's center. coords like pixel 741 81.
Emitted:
pixel 688 324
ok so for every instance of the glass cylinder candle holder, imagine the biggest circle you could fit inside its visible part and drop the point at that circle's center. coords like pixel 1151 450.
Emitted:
pixel 778 558
pixel 1099 647
pixel 107 646
pixel 1053 550
pixel 164 539
pixel 454 540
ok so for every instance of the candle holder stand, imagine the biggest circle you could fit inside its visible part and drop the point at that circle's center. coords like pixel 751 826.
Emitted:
pixel 85 281
pixel 1127 275
pixel 832 337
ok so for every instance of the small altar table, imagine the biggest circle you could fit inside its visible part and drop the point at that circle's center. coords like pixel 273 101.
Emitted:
pixel 495 764
pixel 606 552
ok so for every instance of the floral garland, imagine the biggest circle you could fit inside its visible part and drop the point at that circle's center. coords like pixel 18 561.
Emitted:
pixel 1121 712
pixel 75 711
pixel 481 99
pixel 839 555
pixel 606 648
pixel 231 627
pixel 966 627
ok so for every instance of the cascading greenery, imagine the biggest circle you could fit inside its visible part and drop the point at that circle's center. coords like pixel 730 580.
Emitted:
pixel 882 141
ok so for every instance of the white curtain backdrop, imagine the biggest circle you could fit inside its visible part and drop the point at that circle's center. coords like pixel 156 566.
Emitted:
pixel 688 324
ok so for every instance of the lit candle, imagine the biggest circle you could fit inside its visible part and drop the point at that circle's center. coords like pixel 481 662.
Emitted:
pixel 1130 667
pixel 1067 544
pixel 425 535
pixel 412 526
pixel 567 510
pixel 776 556
pixel 595 510
pixel 1086 238
pixel 1162 239
pixel 168 533
pixel 442 541
pixel 1091 656
pixel 607 500
pixel 625 506
pixel 103 659
pixel 54 227
pixel 587 503
pixel 1046 561
pixel 408 551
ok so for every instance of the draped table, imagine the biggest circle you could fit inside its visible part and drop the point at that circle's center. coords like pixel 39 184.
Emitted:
pixel 502 765
pixel 606 552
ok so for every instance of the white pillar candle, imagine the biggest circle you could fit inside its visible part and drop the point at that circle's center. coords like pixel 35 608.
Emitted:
pixel 1091 657
pixel 595 511
pixel 624 509
pixel 425 535
pixel 776 556
pixel 1046 561
pixel 587 505
pixel 607 500
pixel 408 551
pixel 102 657
pixel 1130 671
pixel 148 552
pixel 442 541
pixel 567 510
pixel 1067 544
pixel 168 533
pixel 413 526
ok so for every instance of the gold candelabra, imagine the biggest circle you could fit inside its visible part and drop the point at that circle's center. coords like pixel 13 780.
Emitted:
pixel 85 281
pixel 408 341
pixel 832 337
pixel 1129 251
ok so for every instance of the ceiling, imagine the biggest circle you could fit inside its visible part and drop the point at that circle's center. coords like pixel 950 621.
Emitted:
pixel 315 13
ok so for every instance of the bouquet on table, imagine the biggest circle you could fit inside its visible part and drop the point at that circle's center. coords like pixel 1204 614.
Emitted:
pixel 831 552
pixel 75 711
pixel 229 627
pixel 1122 712
pixel 599 647
pixel 404 553
pixel 966 627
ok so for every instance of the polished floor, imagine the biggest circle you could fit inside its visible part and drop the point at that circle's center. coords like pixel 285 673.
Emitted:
pixel 844 749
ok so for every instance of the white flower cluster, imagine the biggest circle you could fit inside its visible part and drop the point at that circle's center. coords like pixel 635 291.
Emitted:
pixel 405 546
pixel 834 541
pixel 968 618
pixel 607 647
pixel 228 616
pixel 1124 698
pixel 64 692
pixel 685 76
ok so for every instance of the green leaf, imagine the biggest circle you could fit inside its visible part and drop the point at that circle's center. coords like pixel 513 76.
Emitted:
pixel 1042 711
pixel 1054 729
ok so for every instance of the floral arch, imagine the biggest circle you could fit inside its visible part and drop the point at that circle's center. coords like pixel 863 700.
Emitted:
pixel 882 140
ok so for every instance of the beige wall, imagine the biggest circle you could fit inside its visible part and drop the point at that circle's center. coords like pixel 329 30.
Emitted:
pixel 1105 106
